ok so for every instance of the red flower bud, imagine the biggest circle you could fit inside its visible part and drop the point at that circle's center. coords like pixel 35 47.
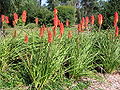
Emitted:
pixel 115 19
pixel 7 19
pixel 55 11
pixel 67 22
pixel 3 18
pixel 54 31
pixel 69 34
pixel 79 28
pixel 15 17
pixel 41 34
pixel 36 21
pixel 92 19
pixel 61 29
pixel 24 16
pixel 100 19
pixel 86 21
pixel 26 39
pixel 50 38
pixel 116 31
pixel 55 20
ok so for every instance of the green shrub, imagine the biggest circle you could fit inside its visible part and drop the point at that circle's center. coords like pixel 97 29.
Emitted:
pixel 66 12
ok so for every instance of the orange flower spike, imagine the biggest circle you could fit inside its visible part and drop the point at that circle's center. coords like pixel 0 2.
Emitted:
pixel 54 30
pixel 41 34
pixel 83 21
pixel 69 34
pixel 67 22
pixel 100 19
pixel 86 21
pixel 3 18
pixel 36 21
pixel 26 39
pixel 44 27
pixel 24 16
pixel 50 37
pixel 15 17
pixel 55 20
pixel 61 29
pixel 59 22
pixel 79 27
pixel 116 31
pixel 92 19
pixel 55 11
pixel 116 17
pixel 7 19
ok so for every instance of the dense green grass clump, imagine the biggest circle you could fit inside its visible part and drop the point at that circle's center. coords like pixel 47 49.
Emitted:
pixel 57 65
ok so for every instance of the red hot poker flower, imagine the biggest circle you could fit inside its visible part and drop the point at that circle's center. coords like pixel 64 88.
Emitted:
pixel 50 37
pixel 116 31
pixel 26 39
pixel 55 20
pixel 44 27
pixel 79 28
pixel 24 19
pixel 70 34
pixel 41 34
pixel 7 19
pixel 92 19
pixel 55 11
pixel 59 22
pixel 15 17
pixel 54 30
pixel 82 23
pixel 61 29
pixel 36 21
pixel 67 22
pixel 100 19
pixel 24 16
pixel 86 21
pixel 3 18
pixel 115 19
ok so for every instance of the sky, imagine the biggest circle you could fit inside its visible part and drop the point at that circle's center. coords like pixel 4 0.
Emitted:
pixel 44 2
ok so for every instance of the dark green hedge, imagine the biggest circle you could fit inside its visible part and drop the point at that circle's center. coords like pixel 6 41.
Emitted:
pixel 66 12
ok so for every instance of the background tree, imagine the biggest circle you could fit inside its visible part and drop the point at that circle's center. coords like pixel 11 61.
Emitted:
pixel 89 7
pixel 52 4
pixel 107 9
pixel 40 1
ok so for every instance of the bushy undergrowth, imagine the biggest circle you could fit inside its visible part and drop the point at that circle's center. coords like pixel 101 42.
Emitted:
pixel 42 65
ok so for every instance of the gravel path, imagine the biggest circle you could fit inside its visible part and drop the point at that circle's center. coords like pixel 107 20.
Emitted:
pixel 112 82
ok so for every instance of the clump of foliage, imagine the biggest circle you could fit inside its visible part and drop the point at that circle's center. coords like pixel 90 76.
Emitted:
pixel 66 12
pixel 43 65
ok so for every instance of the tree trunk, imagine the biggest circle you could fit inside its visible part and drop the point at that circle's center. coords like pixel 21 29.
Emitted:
pixel 40 1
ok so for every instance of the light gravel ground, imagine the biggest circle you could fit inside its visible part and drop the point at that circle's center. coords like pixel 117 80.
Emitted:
pixel 111 82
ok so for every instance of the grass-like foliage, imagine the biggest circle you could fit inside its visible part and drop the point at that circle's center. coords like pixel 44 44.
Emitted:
pixel 52 66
